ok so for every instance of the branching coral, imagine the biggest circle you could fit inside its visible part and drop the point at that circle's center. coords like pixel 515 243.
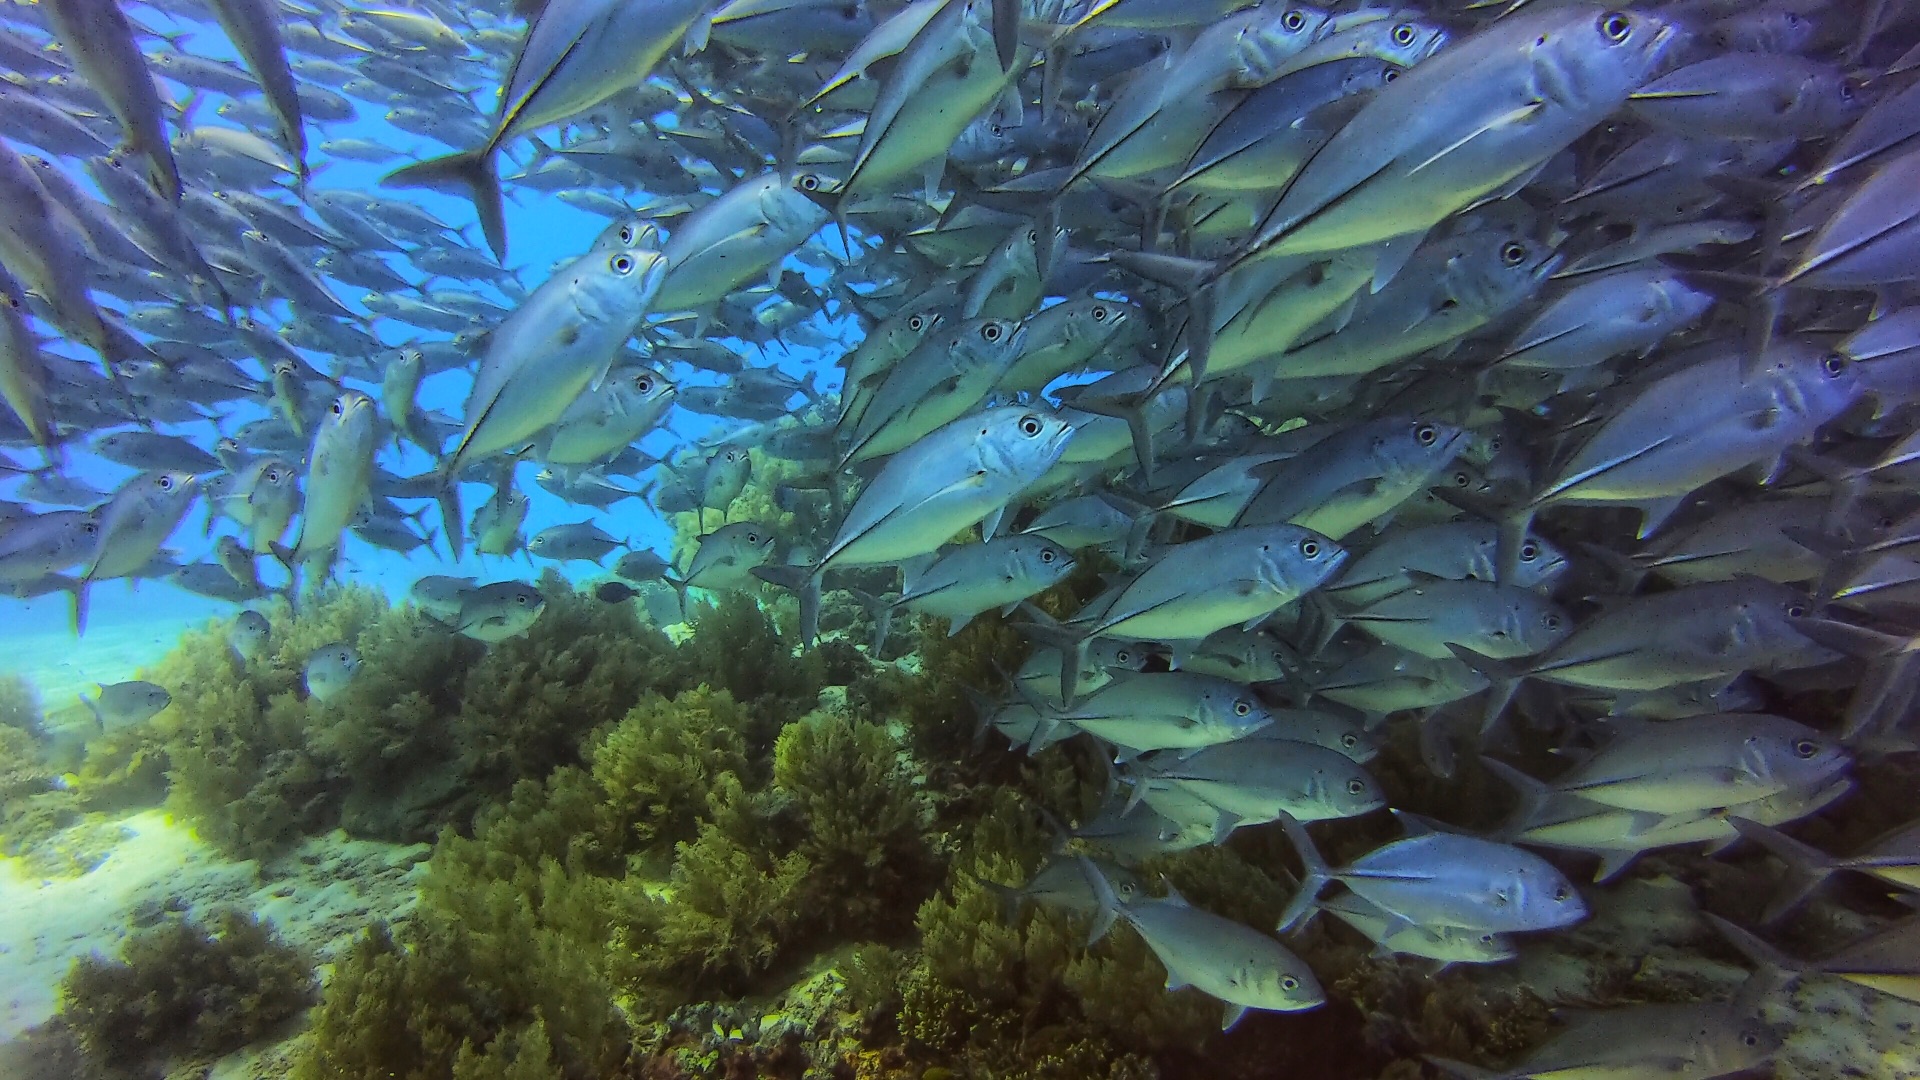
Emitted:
pixel 183 990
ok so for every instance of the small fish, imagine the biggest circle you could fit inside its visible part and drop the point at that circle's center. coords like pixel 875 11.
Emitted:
pixel 125 704
pixel 330 669
pixel 581 541
pixel 498 611
pixel 1242 967
pixel 251 635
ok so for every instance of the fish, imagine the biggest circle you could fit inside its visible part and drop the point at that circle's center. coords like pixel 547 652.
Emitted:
pixel 250 636
pixel 572 326
pixel 133 525
pixel 1242 967
pixel 497 611
pixel 582 540
pixel 576 54
pixel 127 704
pixel 1443 879
pixel 330 669
pixel 959 475
pixel 337 481
pixel 1694 1039
pixel 1234 577
pixel 99 39
pixel 973 578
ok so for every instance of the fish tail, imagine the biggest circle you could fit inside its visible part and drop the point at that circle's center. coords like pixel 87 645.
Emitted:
pixel 1532 792
pixel 1459 1069
pixel 1010 899
pixel 289 558
pixel 471 173
pixel 880 610
pixel 804 583
pixel 1314 876
pixel 1810 867
pixel 77 590
pixel 1109 904
pixel 1775 967
pixel 983 710
pixel 451 522
pixel 1502 679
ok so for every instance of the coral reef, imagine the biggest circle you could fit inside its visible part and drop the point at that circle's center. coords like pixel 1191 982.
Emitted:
pixel 179 990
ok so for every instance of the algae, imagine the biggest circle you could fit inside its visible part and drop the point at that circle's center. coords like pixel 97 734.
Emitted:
pixel 179 990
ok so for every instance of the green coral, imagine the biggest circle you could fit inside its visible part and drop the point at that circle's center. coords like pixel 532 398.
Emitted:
pixel 180 990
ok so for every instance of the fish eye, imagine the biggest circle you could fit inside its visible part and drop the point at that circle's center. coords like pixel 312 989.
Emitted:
pixel 1349 740
pixel 1293 21
pixel 644 384
pixel 1046 555
pixel 1529 551
pixel 1846 90
pixel 1806 748
pixel 1033 236
pixel 1834 364
pixel 339 408
pixel 1616 25
pixel 1562 894
pixel 1310 548
pixel 1123 656
pixel 809 182
pixel 753 538
pixel 1390 74
pixel 1426 433
pixel 1750 1039
pixel 1552 622
pixel 1288 982
pixel 1356 786
pixel 626 234
pixel 521 599
pixel 1461 479
pixel 991 331
pixel 622 264
pixel 1030 425
pixel 1513 253
pixel 1099 313
pixel 272 476
pixel 1403 34
pixel 917 323
pixel 166 483
pixel 1241 708
pixel 1796 611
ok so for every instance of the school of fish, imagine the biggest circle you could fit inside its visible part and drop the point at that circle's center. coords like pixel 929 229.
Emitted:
pixel 1482 367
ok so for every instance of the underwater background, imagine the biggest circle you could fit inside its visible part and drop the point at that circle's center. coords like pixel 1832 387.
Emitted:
pixel 676 818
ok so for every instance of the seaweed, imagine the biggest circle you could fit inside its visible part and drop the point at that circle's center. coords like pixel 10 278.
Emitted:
pixel 736 646
pixel 658 766
pixel 181 990
pixel 854 791
pixel 728 911
pixel 20 705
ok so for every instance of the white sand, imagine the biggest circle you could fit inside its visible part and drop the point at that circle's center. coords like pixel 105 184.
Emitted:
pixel 319 897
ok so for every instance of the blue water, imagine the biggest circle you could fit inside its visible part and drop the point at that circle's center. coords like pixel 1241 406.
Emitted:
pixel 544 232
